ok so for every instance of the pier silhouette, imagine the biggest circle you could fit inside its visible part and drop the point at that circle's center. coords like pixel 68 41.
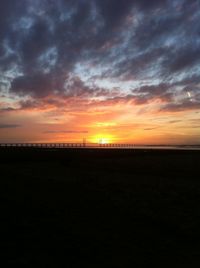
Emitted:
pixel 69 145
pixel 85 145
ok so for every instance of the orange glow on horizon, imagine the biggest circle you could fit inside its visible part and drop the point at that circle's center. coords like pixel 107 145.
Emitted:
pixel 113 124
pixel 102 139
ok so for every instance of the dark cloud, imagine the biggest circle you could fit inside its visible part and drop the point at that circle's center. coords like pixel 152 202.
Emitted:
pixel 9 10
pixel 144 95
pixel 30 104
pixel 40 86
pixel 133 67
pixel 174 121
pixel 150 128
pixel 65 131
pixel 7 109
pixel 154 31
pixel 37 84
pixel 183 58
pixel 160 91
pixel 153 4
pixel 114 12
pixel 37 39
pixel 9 126
pixel 154 42
pixel 190 80
pixel 183 106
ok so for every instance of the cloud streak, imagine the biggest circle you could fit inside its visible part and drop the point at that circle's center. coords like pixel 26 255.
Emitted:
pixel 5 126
pixel 65 131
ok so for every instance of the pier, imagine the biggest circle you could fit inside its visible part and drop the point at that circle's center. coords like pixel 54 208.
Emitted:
pixel 68 145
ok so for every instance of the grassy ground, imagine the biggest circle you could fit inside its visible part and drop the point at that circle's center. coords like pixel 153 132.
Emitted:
pixel 100 208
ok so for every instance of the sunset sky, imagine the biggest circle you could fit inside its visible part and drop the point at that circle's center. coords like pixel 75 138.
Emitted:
pixel 120 70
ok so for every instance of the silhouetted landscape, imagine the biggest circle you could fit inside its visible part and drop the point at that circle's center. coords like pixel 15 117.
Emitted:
pixel 100 207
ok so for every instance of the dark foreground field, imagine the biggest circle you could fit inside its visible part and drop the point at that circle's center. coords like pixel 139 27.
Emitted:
pixel 99 208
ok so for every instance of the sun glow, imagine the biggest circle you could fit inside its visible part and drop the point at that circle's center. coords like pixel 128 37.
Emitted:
pixel 102 139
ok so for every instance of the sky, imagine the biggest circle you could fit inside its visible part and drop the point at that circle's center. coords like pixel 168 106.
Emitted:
pixel 112 70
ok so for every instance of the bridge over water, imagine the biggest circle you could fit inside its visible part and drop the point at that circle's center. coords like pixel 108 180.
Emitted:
pixel 97 145
pixel 68 145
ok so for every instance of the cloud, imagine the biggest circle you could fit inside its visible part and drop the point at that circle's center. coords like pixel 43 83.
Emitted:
pixel 150 128
pixel 37 84
pixel 174 121
pixel 179 107
pixel 9 126
pixel 53 51
pixel 138 66
pixel 65 131
pixel 160 91
pixel 183 58
pixel 7 109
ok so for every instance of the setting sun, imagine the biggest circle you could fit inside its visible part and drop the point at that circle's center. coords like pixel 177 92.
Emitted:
pixel 102 139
